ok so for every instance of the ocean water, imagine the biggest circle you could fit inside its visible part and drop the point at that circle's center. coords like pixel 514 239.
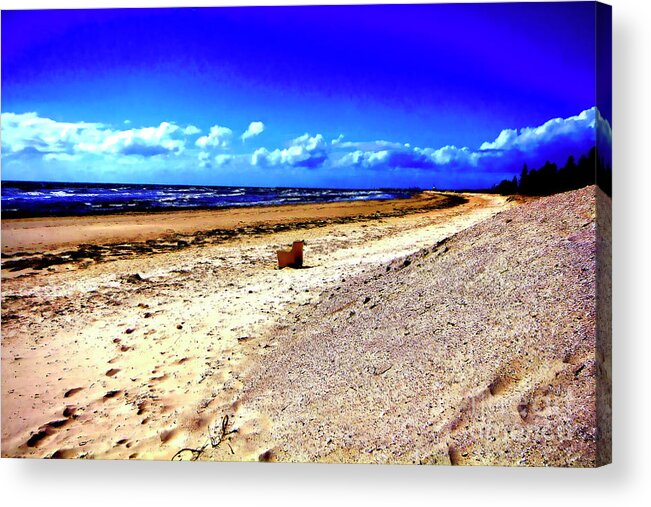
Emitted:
pixel 40 199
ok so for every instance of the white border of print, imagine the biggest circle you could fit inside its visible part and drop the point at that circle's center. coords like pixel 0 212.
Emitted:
pixel 111 483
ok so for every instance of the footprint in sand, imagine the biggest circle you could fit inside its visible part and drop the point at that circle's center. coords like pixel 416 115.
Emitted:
pixel 45 431
pixel 501 384
pixel 142 406
pixel 64 454
pixel 169 435
pixel 72 392
pixel 36 438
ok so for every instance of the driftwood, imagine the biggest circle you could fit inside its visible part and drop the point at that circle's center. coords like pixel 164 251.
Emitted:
pixel 215 437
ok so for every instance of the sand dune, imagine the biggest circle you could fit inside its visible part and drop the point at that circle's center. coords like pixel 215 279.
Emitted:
pixel 479 349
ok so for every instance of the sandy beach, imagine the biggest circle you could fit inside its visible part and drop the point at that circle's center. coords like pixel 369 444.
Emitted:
pixel 136 353
pixel 54 234
pixel 175 336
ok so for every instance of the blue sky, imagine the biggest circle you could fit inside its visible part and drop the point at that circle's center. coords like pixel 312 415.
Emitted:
pixel 350 96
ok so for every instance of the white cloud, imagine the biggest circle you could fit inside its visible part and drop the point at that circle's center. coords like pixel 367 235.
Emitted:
pixel 530 138
pixel 29 133
pixel 66 157
pixel 223 159
pixel 368 145
pixel 303 151
pixel 191 130
pixel 555 139
pixel 27 137
pixel 359 158
pixel 219 137
pixel 255 128
pixel 147 141
pixel 206 160
pixel 378 154
pixel 260 157
pixel 337 140
pixel 449 154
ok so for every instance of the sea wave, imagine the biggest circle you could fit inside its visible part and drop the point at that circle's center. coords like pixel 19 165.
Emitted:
pixel 63 199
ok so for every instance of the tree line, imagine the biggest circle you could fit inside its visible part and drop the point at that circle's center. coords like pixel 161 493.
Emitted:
pixel 550 179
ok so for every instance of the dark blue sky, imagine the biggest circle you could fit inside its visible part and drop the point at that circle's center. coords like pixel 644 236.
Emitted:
pixel 425 75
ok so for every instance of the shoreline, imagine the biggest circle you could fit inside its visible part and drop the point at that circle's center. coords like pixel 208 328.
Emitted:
pixel 207 208
pixel 39 243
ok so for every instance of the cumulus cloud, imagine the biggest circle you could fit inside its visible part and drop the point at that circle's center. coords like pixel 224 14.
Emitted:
pixel 384 154
pixel 396 157
pixel 368 145
pixel 337 140
pixel 554 140
pixel 147 141
pixel 31 133
pixel 255 128
pixel 604 137
pixel 531 138
pixel 66 157
pixel 28 133
pixel 191 130
pixel 28 137
pixel 304 151
pixel 204 159
pixel 218 137
pixel 223 159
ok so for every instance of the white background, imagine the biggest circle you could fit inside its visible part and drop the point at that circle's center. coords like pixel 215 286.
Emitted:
pixel 53 483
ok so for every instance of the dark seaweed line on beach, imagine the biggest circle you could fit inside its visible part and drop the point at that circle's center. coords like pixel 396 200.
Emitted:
pixel 100 253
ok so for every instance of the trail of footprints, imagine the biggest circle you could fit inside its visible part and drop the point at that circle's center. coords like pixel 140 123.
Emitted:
pixel 147 398
pixel 71 413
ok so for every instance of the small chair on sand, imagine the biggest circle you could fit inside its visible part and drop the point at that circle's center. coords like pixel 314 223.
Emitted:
pixel 292 258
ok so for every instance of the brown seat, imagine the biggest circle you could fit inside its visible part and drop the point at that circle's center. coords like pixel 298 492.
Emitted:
pixel 292 258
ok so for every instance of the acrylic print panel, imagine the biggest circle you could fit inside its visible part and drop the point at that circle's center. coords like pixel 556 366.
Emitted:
pixel 343 234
